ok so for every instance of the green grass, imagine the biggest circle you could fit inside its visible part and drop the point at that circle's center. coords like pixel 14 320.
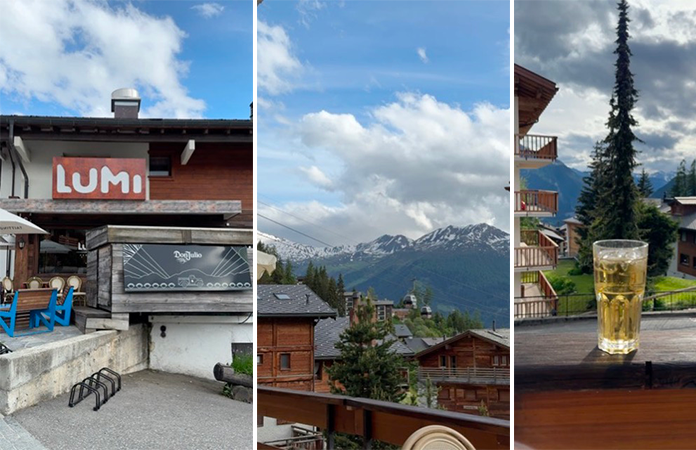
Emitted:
pixel 243 363
pixel 584 284
pixel 672 283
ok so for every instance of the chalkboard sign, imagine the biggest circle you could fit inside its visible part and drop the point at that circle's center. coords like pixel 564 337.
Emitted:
pixel 158 267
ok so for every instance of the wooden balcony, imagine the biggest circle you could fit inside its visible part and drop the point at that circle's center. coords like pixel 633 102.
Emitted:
pixel 534 151
pixel 535 203
pixel 538 298
pixel 537 252
pixel 469 375
pixel 373 419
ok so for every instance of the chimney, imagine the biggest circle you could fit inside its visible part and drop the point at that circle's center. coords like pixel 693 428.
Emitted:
pixel 494 325
pixel 125 103
pixel 307 299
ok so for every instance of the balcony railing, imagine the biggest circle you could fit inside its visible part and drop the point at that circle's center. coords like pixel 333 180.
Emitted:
pixel 375 420
pixel 536 147
pixel 538 250
pixel 536 305
pixel 536 202
pixel 485 375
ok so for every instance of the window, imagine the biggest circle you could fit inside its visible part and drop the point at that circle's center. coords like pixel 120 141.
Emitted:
pixel 460 393
pixel 453 361
pixel 471 394
pixel 285 361
pixel 683 259
pixel 443 361
pixel 496 360
pixel 505 361
pixel 259 359
pixel 282 296
pixel 160 166
pixel 683 236
pixel 317 370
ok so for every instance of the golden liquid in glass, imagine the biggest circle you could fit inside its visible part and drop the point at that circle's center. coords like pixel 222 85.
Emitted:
pixel 619 287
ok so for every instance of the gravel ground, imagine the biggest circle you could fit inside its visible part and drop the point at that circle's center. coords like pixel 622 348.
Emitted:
pixel 153 410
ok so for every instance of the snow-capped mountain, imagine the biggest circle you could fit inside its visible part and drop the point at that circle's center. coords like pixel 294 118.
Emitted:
pixel 480 237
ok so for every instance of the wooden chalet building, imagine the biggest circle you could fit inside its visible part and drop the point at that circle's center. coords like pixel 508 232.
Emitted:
pixel 287 315
pixel 470 368
pixel 113 192
pixel 683 209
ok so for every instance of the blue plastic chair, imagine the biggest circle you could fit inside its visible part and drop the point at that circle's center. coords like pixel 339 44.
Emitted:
pixel 10 312
pixel 61 313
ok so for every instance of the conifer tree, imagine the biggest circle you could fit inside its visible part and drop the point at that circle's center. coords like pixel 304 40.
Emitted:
pixel 680 188
pixel 587 203
pixel 615 212
pixel 644 185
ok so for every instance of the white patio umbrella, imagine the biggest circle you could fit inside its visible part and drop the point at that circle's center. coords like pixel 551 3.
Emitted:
pixel 264 263
pixel 13 224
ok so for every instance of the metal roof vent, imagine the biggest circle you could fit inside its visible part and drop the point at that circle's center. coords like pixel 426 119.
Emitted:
pixel 125 103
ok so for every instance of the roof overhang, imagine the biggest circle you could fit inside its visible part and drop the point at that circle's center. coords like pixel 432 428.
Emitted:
pixel 533 93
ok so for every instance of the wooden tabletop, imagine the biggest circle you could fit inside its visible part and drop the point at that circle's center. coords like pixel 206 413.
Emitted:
pixel 569 394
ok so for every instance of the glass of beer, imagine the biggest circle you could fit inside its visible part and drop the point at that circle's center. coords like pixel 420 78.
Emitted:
pixel 620 268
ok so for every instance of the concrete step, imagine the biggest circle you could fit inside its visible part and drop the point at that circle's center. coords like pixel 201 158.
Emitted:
pixel 14 437
pixel 83 313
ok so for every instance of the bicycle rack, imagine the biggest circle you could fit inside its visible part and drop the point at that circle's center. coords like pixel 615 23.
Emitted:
pixel 4 349
pixel 94 385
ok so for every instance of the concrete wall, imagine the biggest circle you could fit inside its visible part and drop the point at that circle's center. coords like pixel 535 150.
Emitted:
pixel 42 373
pixel 194 344
pixel 40 168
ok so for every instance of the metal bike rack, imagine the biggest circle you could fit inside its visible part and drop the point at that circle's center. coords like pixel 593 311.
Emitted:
pixel 94 385
pixel 4 349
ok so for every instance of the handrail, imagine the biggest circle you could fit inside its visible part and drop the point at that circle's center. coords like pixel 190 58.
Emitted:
pixel 374 419
pixel 540 251
pixel 492 374
pixel 536 147
pixel 536 201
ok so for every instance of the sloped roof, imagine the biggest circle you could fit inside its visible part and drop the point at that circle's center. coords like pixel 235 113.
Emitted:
pixel 401 331
pixel 296 305
pixel 327 333
pixel 501 336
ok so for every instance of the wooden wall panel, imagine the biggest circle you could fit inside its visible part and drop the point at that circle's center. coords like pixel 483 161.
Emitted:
pixel 214 172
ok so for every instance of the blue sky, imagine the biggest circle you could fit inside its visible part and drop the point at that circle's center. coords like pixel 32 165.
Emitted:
pixel 186 58
pixel 426 84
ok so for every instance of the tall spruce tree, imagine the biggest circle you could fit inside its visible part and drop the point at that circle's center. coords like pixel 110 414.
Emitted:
pixel 615 212
pixel 680 187
pixel 587 204
pixel 644 185
pixel 691 180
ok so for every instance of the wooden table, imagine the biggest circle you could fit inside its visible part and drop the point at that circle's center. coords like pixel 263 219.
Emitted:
pixel 569 394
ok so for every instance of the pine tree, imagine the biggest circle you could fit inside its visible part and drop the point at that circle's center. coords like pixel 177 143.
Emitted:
pixel 309 276
pixel 680 188
pixel 692 179
pixel 615 212
pixel 587 203
pixel 644 185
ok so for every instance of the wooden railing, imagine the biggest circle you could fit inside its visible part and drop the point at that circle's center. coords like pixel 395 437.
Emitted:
pixel 374 419
pixel 488 375
pixel 540 251
pixel 531 202
pixel 536 147
pixel 301 439
pixel 536 306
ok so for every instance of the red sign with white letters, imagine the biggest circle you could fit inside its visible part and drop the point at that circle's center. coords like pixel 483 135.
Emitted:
pixel 99 178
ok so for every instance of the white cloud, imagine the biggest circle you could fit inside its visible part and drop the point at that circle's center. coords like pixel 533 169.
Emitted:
pixel 317 177
pixel 308 10
pixel 76 52
pixel 208 10
pixel 417 164
pixel 277 66
pixel 422 55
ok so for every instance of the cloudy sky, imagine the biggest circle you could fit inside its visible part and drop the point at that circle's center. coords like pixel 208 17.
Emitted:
pixel 188 59
pixel 382 117
pixel 572 43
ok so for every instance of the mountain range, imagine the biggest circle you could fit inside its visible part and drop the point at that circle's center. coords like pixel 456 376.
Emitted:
pixel 568 183
pixel 468 268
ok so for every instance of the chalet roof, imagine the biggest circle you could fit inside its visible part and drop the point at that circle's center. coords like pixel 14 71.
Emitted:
pixel 687 222
pixel 573 220
pixel 402 331
pixel 128 130
pixel 295 305
pixel 417 344
pixel 383 303
pixel 534 93
pixel 686 200
pixel 552 235
pixel 327 333
pixel 501 336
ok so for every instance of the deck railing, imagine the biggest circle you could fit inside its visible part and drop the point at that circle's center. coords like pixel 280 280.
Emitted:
pixel 487 375
pixel 540 251
pixel 375 420
pixel 536 147
pixel 534 201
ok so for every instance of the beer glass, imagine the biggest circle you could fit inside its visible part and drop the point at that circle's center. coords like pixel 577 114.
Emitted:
pixel 620 268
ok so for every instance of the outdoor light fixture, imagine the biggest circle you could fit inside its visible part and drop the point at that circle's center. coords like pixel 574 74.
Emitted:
pixel 21 243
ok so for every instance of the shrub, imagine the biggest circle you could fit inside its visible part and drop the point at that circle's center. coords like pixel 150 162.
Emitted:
pixel 243 363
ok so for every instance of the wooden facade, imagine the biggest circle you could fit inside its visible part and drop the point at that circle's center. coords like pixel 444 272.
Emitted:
pixel 469 369
pixel 105 289
pixel 290 338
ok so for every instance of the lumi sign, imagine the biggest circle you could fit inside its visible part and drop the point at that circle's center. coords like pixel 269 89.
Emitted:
pixel 99 178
